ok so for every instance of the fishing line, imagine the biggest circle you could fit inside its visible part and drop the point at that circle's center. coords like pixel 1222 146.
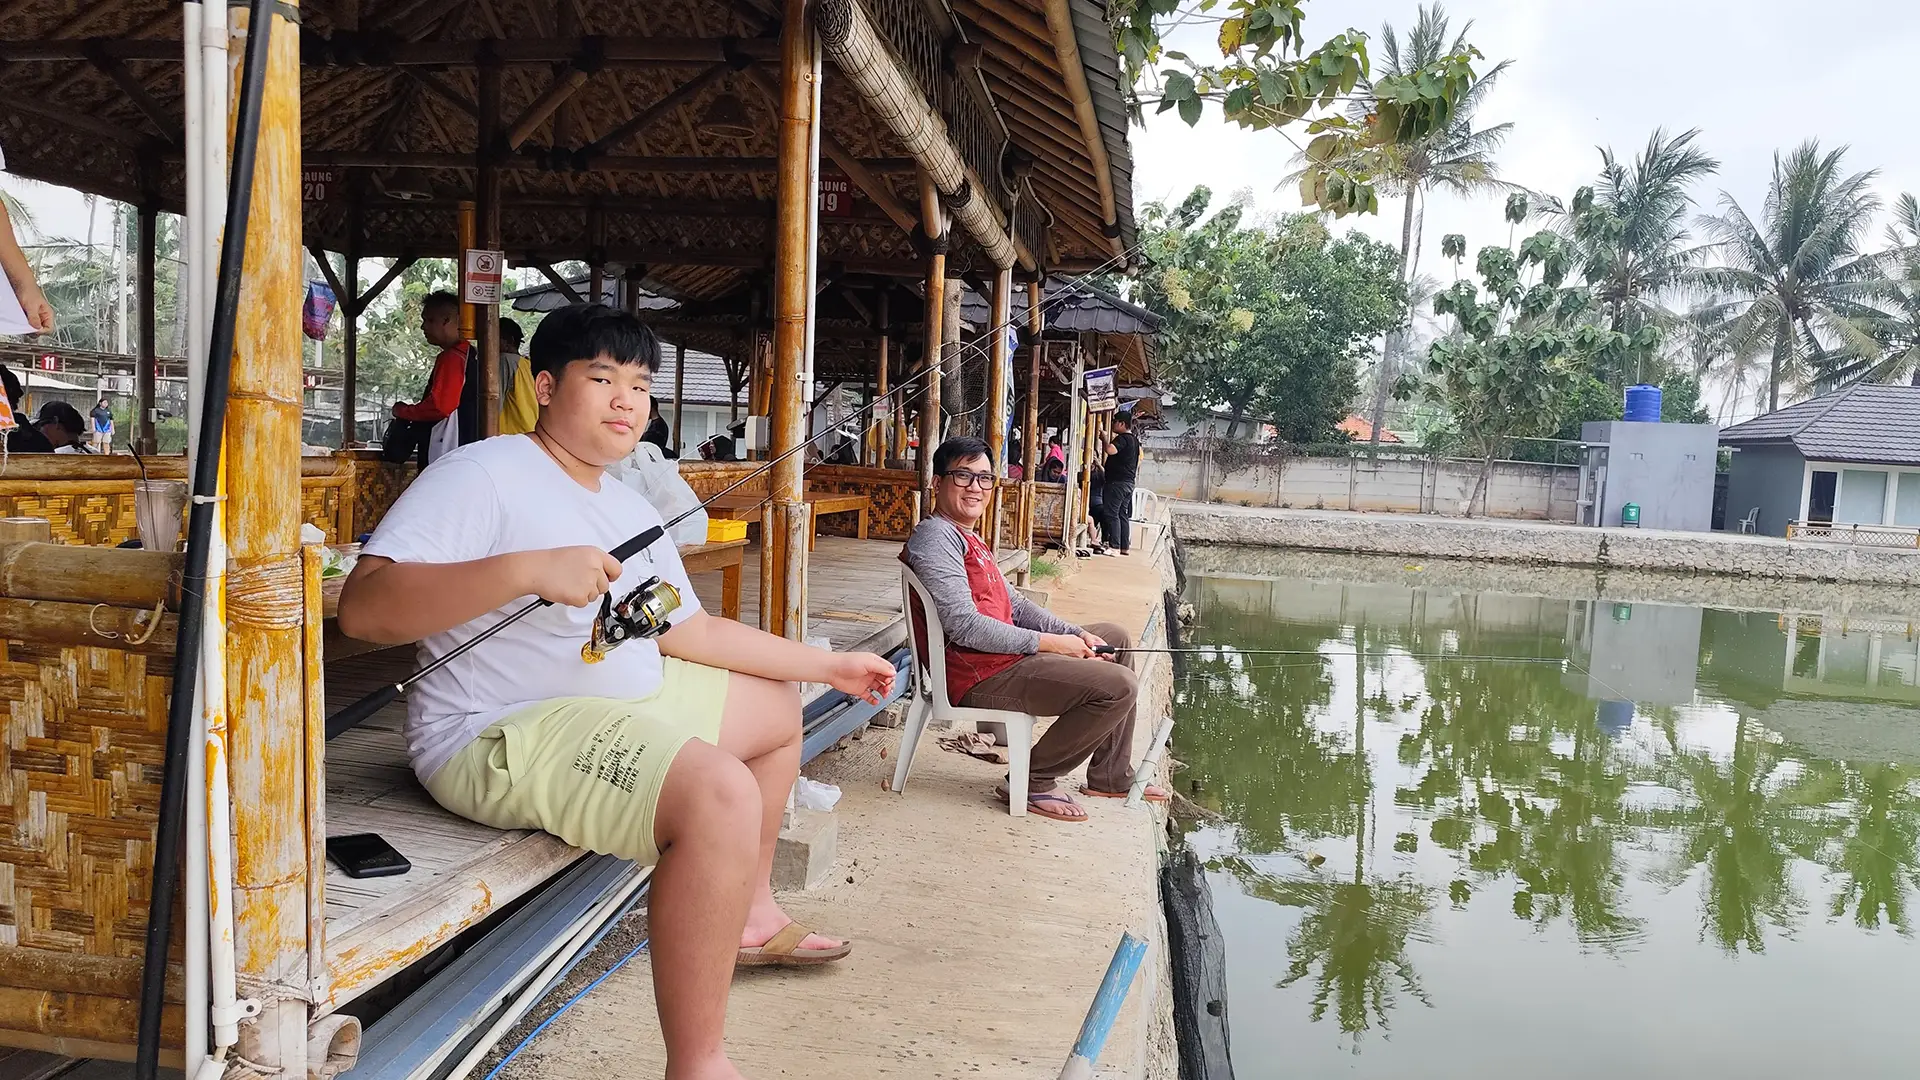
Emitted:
pixel 386 695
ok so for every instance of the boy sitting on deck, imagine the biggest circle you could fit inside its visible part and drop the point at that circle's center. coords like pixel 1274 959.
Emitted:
pixel 676 751
pixel 1006 652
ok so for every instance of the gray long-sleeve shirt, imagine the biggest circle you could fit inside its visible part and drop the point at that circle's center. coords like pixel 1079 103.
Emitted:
pixel 937 554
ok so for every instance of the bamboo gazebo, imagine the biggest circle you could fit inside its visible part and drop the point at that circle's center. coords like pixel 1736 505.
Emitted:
pixel 807 182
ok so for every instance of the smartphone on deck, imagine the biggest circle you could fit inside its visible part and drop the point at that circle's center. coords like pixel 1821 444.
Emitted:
pixel 365 855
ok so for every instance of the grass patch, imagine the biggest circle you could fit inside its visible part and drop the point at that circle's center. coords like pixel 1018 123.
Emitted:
pixel 1043 567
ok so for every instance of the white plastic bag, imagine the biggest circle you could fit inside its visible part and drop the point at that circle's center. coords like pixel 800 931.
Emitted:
pixel 648 471
pixel 814 795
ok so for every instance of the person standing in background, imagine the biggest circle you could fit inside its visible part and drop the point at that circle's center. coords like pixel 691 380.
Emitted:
pixel 439 406
pixel 518 408
pixel 1123 466
pixel 102 418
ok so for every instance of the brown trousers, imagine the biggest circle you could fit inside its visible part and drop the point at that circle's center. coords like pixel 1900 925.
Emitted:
pixel 1094 700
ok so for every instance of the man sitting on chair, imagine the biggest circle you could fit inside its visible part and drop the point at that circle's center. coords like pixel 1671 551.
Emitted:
pixel 1006 652
pixel 677 751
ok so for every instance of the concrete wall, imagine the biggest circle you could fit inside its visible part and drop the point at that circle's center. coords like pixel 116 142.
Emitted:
pixel 1769 477
pixel 1666 468
pixel 1396 484
pixel 1533 542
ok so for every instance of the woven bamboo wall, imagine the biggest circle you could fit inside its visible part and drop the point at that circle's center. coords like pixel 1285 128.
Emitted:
pixel 890 489
pixel 80 769
pixel 92 501
pixel 377 484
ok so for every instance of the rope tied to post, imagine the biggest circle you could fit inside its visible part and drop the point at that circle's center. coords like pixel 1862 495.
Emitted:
pixel 267 593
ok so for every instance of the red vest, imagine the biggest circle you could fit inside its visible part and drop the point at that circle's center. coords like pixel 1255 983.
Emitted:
pixel 967 668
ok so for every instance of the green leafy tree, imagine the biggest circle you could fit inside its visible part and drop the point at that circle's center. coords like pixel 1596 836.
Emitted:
pixel 1797 283
pixel 1270 321
pixel 1522 346
pixel 1265 77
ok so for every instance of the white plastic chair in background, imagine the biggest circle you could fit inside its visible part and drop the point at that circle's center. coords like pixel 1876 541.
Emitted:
pixel 930 701
pixel 1751 522
pixel 1144 502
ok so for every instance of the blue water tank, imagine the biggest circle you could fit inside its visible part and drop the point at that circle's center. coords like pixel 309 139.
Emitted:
pixel 1643 404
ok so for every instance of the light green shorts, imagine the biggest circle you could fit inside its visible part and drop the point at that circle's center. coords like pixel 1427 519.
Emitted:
pixel 587 770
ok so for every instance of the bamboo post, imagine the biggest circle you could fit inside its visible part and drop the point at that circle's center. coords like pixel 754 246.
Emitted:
pixel 997 403
pixel 792 303
pixel 488 195
pixel 881 422
pixel 265 692
pixel 930 393
pixel 142 433
pixel 679 390
pixel 350 312
pixel 464 234
pixel 1036 325
pixel 953 395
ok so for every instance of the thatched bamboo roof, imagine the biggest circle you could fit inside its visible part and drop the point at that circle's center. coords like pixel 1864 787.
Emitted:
pixel 621 169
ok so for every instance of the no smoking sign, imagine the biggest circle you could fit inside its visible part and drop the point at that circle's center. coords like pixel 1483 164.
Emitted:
pixel 481 282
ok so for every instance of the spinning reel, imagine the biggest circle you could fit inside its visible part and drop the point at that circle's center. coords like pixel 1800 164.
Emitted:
pixel 642 614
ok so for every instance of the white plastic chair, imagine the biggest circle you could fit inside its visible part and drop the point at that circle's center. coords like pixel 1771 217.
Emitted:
pixel 1144 502
pixel 1751 522
pixel 930 701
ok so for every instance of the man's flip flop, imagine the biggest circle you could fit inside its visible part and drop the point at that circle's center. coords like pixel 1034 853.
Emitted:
pixel 783 950
pixel 1154 793
pixel 1047 803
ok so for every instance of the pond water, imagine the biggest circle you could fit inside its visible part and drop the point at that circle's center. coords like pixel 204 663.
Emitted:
pixel 1468 834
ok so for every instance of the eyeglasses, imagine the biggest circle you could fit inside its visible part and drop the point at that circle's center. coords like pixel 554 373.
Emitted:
pixel 963 478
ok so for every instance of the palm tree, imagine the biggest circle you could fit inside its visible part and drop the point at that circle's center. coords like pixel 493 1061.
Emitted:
pixel 1896 326
pixel 1458 156
pixel 1631 239
pixel 1796 281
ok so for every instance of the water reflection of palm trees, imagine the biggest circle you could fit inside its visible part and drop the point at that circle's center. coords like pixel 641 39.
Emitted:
pixel 1749 816
pixel 1352 935
pixel 1504 766
pixel 1878 856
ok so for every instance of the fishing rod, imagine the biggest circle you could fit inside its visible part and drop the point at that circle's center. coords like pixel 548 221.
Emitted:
pixel 644 611
pixel 1226 651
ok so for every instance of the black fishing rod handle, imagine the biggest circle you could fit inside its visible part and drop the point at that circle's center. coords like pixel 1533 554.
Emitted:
pixel 637 544
pixel 351 716
pixel 1104 650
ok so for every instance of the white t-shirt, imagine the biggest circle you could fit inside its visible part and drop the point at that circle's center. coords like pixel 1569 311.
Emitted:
pixel 502 495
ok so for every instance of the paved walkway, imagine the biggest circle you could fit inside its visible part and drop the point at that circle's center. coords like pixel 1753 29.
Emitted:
pixel 980 938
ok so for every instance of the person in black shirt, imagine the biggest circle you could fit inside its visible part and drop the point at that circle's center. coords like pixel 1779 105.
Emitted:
pixel 59 426
pixel 1123 467
pixel 658 433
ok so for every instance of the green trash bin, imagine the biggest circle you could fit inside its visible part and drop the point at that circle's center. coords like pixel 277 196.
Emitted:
pixel 1630 515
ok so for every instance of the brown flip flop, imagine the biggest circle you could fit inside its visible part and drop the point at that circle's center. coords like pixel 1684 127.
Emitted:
pixel 1153 793
pixel 783 950
pixel 1038 805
